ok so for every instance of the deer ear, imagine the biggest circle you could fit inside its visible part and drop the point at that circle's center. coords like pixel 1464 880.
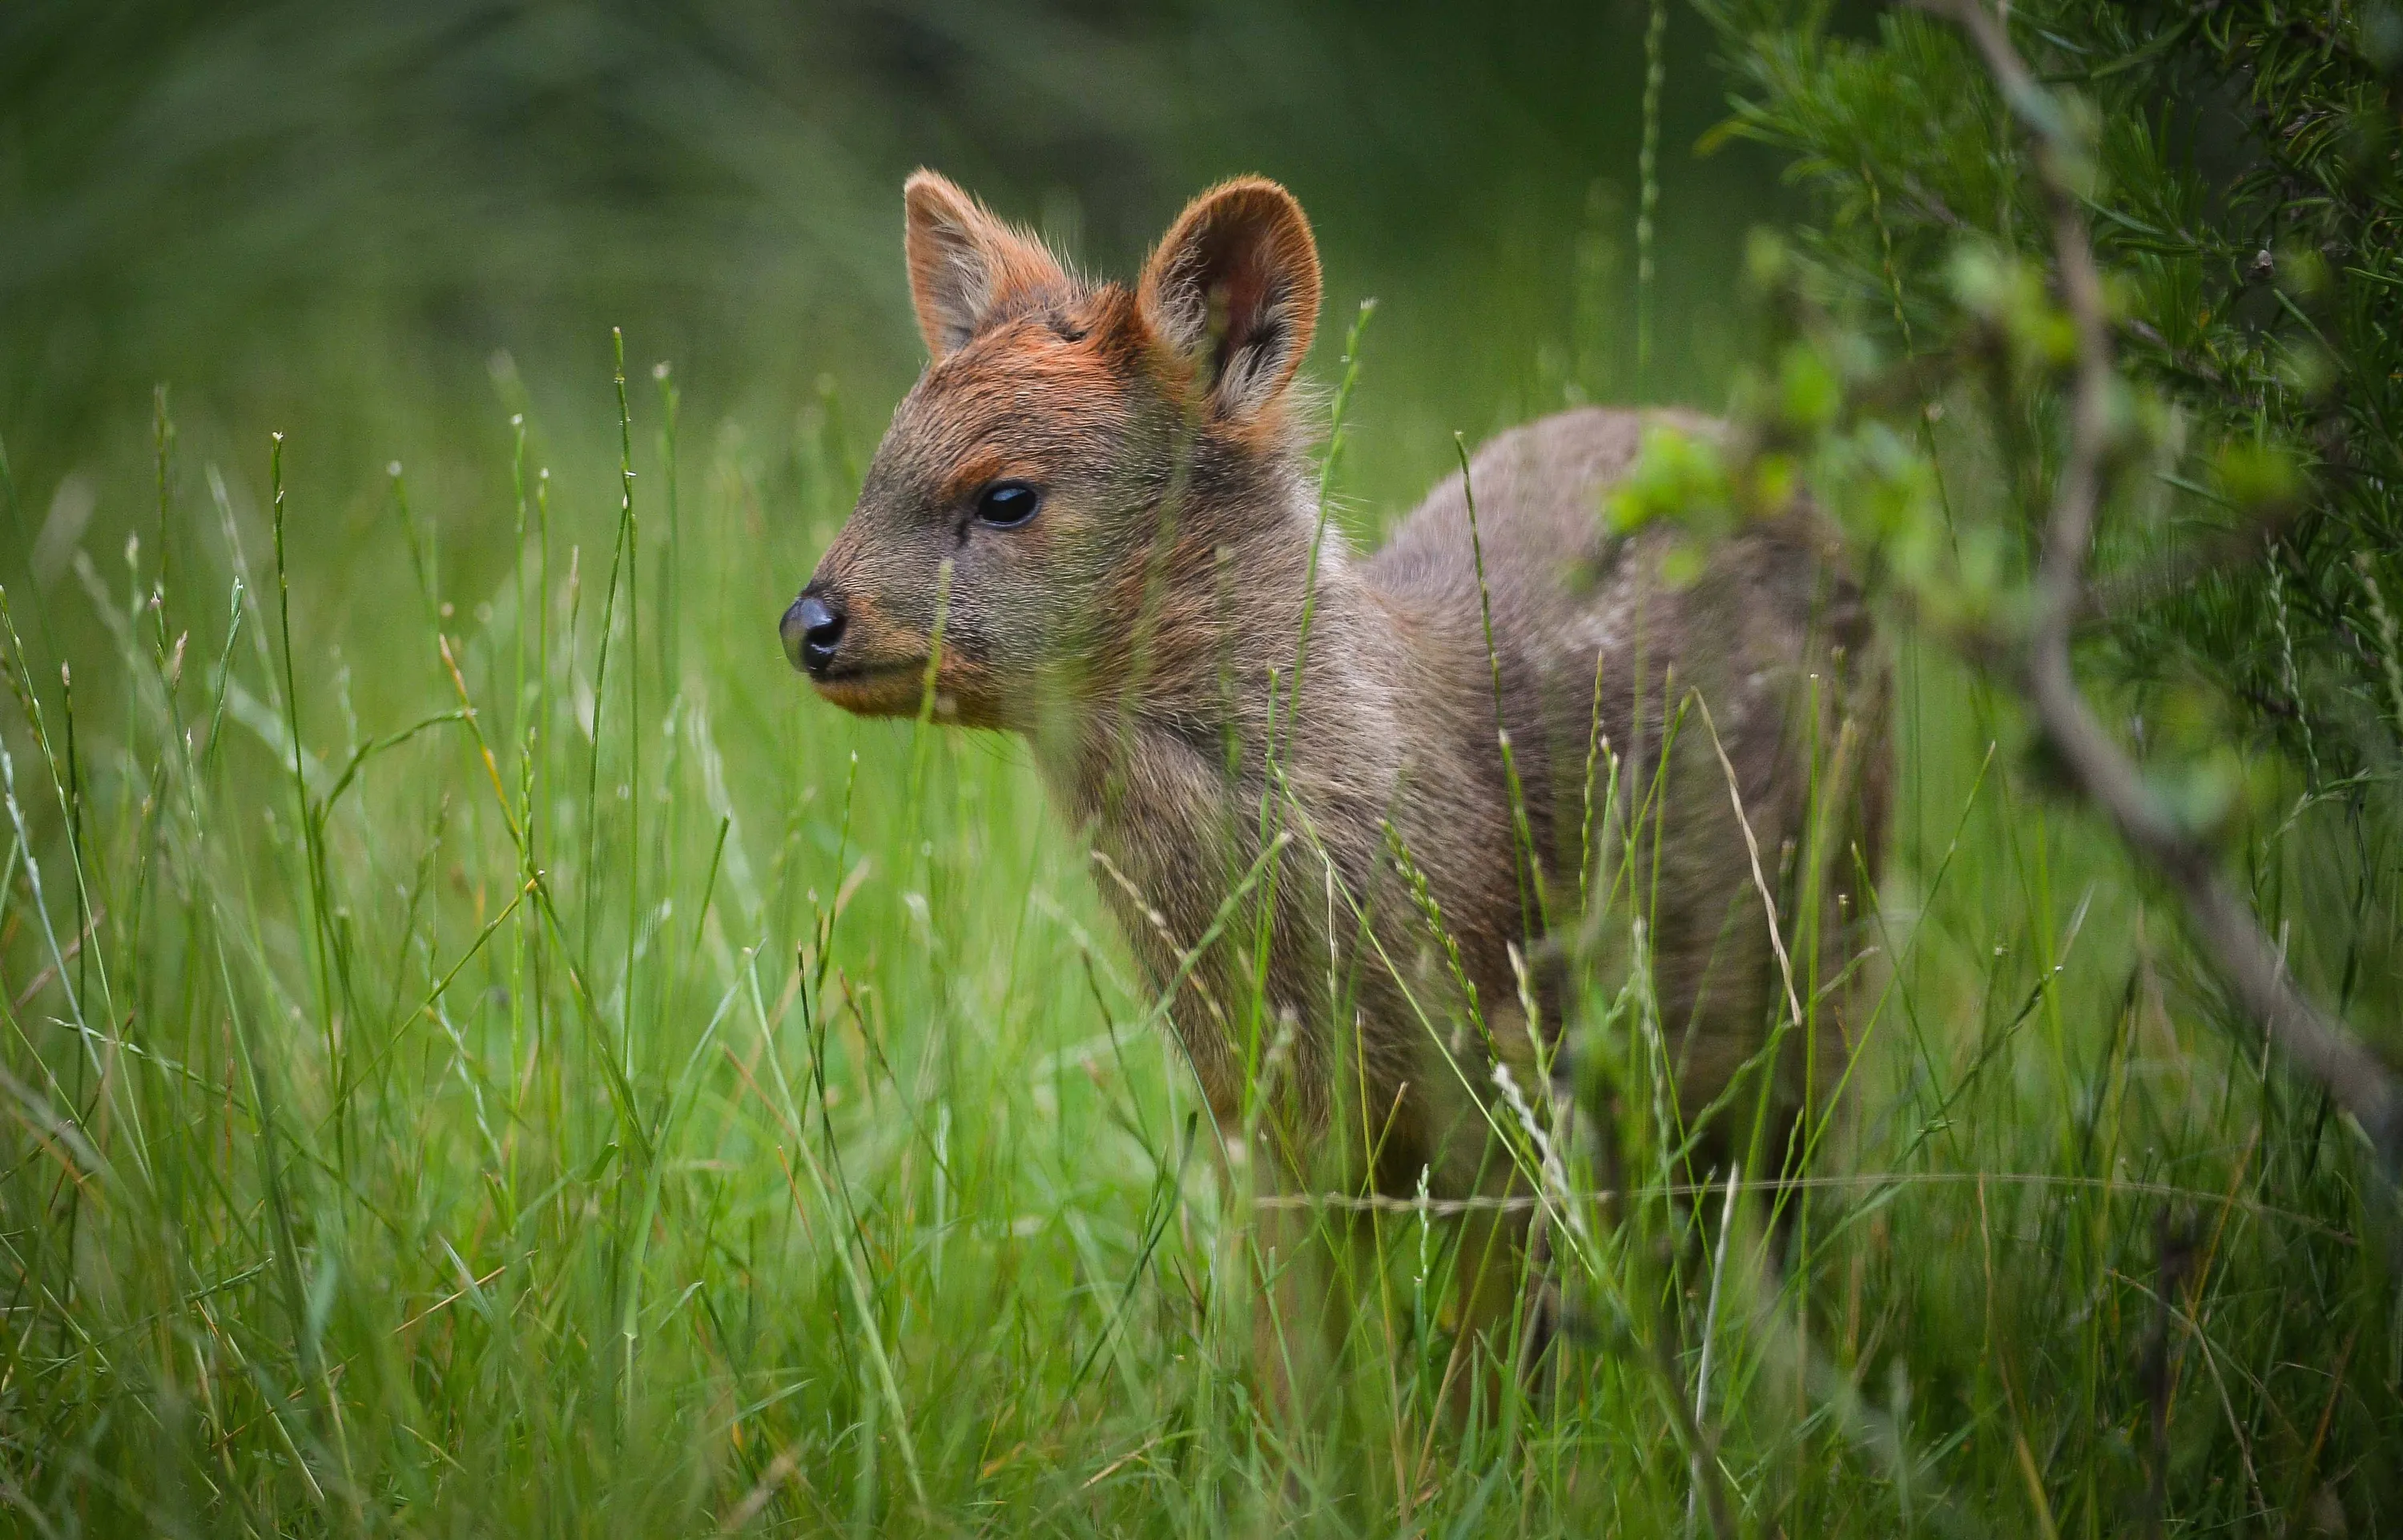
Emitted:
pixel 1233 288
pixel 964 262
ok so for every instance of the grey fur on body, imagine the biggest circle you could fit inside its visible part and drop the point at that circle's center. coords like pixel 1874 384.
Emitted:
pixel 1143 630
pixel 1393 743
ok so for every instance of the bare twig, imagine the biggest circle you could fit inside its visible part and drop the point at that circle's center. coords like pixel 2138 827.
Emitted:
pixel 2322 1046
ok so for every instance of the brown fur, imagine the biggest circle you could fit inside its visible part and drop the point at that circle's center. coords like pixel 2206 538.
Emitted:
pixel 1144 628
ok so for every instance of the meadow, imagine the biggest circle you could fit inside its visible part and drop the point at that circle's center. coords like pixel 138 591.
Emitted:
pixel 485 1052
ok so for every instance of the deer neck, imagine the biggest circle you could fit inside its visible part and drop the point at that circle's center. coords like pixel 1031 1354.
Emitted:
pixel 1178 769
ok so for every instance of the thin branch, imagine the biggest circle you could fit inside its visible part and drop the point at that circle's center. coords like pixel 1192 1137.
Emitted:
pixel 2355 1078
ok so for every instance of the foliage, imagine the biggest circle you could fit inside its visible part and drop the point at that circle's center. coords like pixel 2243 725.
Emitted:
pixel 2239 166
pixel 479 1055
pixel 594 1094
pixel 2244 181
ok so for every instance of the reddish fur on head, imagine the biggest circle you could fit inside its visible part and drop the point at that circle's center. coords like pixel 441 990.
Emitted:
pixel 966 268
pixel 1232 294
pixel 1110 403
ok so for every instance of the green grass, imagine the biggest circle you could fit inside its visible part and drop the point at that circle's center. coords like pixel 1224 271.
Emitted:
pixel 595 1087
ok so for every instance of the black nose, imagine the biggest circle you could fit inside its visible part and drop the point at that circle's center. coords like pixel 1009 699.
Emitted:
pixel 810 630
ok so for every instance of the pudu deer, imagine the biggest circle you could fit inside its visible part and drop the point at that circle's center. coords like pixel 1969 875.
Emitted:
pixel 1338 803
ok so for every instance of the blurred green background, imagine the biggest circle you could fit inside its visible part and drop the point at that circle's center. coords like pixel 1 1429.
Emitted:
pixel 541 1251
pixel 325 219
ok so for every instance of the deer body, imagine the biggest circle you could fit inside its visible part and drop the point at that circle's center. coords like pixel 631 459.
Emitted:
pixel 1289 759
pixel 1393 744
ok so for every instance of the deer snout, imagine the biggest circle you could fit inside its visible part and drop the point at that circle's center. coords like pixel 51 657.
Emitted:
pixel 811 631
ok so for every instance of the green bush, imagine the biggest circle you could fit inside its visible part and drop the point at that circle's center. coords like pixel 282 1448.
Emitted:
pixel 2240 168
pixel 2246 194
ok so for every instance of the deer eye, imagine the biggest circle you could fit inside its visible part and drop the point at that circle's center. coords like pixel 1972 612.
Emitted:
pixel 1007 505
